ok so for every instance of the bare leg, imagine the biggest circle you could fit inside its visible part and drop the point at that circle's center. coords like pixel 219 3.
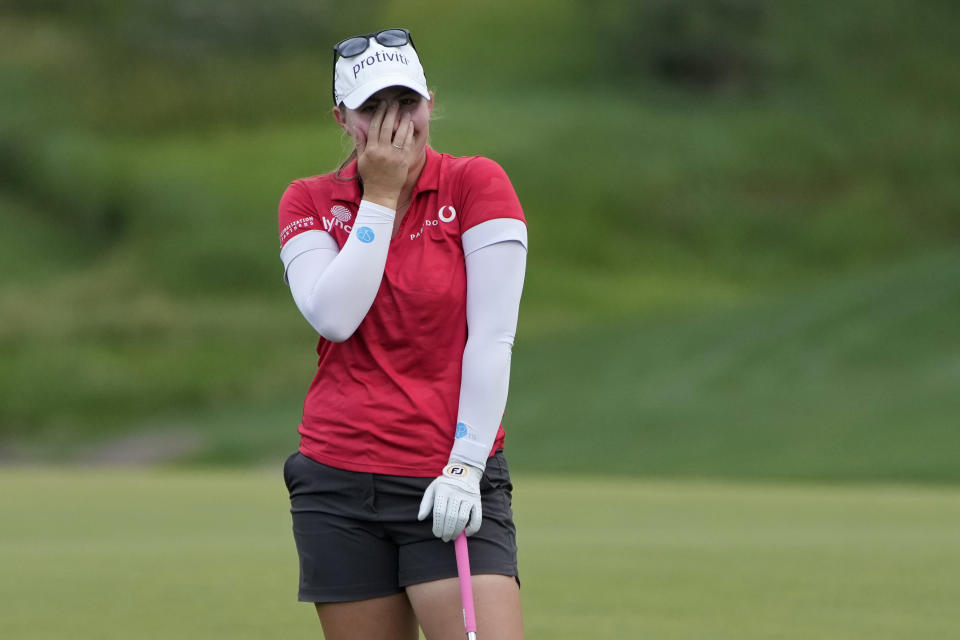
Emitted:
pixel 387 618
pixel 439 610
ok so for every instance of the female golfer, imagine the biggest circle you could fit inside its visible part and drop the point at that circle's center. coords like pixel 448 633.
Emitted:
pixel 409 263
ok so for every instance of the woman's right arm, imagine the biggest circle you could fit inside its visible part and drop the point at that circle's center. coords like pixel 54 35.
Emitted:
pixel 334 288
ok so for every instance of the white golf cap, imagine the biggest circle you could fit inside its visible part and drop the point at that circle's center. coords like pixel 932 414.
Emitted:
pixel 358 78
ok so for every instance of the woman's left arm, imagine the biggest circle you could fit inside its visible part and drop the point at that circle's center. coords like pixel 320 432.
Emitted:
pixel 495 275
pixel 494 283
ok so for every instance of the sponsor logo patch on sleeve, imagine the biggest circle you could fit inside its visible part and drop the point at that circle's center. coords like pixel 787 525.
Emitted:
pixel 295 227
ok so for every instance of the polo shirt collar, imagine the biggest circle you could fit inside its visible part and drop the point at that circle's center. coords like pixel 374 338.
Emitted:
pixel 347 189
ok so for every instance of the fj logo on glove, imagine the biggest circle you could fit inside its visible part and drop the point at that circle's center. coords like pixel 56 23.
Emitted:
pixel 454 499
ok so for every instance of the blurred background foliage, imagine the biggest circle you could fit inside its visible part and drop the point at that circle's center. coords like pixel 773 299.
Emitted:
pixel 744 223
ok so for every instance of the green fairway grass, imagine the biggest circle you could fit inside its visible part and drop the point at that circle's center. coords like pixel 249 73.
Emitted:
pixel 855 380
pixel 126 553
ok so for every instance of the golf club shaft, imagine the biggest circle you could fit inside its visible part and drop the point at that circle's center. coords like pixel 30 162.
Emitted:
pixel 466 586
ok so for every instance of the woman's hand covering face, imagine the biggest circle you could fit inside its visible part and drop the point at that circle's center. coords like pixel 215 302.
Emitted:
pixel 385 153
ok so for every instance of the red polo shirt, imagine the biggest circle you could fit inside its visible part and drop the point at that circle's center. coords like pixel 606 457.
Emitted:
pixel 385 400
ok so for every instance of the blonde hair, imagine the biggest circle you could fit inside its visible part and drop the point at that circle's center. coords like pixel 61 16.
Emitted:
pixel 350 158
pixel 344 165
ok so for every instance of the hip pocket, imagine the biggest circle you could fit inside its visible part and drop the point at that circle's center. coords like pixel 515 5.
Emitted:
pixel 496 476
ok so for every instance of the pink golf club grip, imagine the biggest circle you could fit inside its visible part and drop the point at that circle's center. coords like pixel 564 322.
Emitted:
pixel 466 586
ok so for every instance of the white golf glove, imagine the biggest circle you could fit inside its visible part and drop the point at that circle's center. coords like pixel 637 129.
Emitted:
pixel 454 498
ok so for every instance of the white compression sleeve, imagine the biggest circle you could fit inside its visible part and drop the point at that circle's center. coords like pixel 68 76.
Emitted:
pixel 315 241
pixel 334 290
pixel 494 283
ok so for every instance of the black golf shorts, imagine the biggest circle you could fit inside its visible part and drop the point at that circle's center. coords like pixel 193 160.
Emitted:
pixel 358 536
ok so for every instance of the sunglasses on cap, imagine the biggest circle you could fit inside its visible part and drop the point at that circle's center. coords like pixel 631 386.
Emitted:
pixel 356 45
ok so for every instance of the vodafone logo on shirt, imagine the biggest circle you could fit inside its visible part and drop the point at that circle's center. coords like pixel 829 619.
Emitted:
pixel 450 214
pixel 446 213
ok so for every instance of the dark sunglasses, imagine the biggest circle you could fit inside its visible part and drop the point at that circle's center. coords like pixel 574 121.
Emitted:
pixel 356 45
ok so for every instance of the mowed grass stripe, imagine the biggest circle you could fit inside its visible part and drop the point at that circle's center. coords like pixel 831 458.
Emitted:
pixel 155 554
pixel 855 380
